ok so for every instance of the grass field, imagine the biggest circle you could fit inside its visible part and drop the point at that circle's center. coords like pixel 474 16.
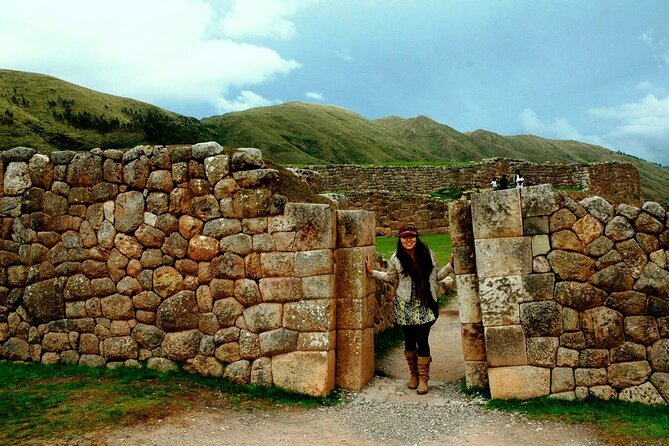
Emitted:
pixel 439 243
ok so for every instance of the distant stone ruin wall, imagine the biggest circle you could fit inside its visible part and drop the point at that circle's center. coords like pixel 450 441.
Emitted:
pixel 181 256
pixel 607 179
pixel 563 298
pixel 615 181
pixel 392 209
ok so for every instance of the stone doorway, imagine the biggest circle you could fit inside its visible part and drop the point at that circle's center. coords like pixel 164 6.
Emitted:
pixel 448 363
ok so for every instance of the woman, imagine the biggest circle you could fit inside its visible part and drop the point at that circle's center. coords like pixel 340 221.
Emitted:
pixel 416 308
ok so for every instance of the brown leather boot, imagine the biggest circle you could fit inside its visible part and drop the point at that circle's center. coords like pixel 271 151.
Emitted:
pixel 423 374
pixel 413 368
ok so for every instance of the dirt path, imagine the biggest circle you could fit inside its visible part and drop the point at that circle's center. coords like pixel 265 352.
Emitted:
pixel 384 413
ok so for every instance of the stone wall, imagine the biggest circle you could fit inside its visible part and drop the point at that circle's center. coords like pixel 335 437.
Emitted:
pixel 563 298
pixel 392 209
pixel 398 193
pixel 181 256
pixel 618 180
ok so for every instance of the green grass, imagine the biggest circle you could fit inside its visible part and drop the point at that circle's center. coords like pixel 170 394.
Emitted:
pixel 625 422
pixel 569 188
pixel 39 402
pixel 439 243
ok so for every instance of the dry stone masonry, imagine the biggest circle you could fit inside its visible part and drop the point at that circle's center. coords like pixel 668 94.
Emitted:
pixel 181 256
pixel 398 193
pixel 612 179
pixel 563 298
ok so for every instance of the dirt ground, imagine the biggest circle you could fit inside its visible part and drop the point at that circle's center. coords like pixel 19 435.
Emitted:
pixel 361 421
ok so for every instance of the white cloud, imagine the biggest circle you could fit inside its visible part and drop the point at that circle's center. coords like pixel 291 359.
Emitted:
pixel 639 127
pixel 314 95
pixel 262 18
pixel 344 54
pixel 659 48
pixel 644 86
pixel 153 50
pixel 246 100
pixel 558 129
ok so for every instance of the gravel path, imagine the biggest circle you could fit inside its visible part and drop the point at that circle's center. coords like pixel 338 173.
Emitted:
pixel 384 413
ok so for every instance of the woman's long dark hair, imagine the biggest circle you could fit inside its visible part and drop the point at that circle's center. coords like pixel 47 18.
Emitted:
pixel 419 268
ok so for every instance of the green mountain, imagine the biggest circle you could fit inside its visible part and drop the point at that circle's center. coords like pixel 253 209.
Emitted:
pixel 301 133
pixel 47 113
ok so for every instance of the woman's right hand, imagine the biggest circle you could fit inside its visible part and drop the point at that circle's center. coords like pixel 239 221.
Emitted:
pixel 368 266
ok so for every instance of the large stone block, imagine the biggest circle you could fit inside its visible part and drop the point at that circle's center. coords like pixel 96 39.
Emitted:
pixel 355 314
pixel 355 358
pixel 579 296
pixel 129 211
pixel 119 348
pixel 641 329
pixel 497 214
pixel 85 169
pixel 216 167
pixel 538 200
pixel 616 277
pixel 278 341
pixel 318 287
pixel 277 264
pixel 538 287
pixel 504 256
pixel 541 245
pixel 473 342
pixel 178 312
pixel 645 394
pixel 314 224
pixel 181 345
pixel 15 349
pixel 572 265
pixel 628 374
pixel 500 300
pixel 317 341
pixel 542 318
pixel 522 382
pixel 542 351
pixel 468 297
pixel 588 228
pixel 476 374
pixel 44 300
pixel 117 307
pixel 654 280
pixel 355 228
pixel 562 380
pixel 659 356
pixel 227 310
pixel 313 263
pixel 250 203
pixel 310 315
pixel 281 289
pixel 312 373
pixel 464 259
pixel 460 223
pixel 603 327
pixel 263 317
pixel 352 279
pixel 661 382
pixel 505 346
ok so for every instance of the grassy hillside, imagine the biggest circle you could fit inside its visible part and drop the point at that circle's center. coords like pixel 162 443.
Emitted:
pixel 47 113
pixel 301 133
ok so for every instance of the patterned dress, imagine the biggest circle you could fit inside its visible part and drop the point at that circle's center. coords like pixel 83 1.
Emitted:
pixel 412 312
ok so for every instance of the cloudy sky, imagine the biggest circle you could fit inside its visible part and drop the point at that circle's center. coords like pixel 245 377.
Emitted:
pixel 596 71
